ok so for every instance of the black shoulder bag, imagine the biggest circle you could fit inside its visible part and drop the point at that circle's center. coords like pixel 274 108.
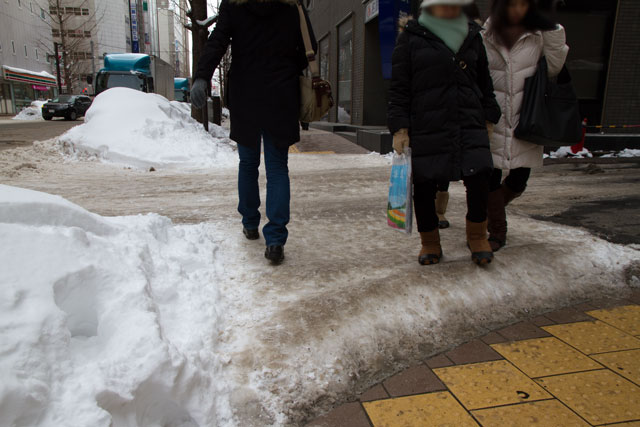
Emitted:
pixel 550 113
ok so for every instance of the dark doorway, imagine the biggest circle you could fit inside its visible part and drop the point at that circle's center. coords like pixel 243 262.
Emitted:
pixel 375 86
pixel 589 25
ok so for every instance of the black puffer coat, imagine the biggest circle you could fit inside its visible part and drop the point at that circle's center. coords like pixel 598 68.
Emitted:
pixel 444 99
pixel 268 56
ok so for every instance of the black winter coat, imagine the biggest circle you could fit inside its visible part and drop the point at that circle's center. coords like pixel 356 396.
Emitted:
pixel 444 99
pixel 268 56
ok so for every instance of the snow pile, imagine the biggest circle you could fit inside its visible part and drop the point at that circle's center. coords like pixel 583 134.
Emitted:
pixel 105 322
pixel 139 129
pixel 32 112
pixel 564 152
pixel 134 321
pixel 626 153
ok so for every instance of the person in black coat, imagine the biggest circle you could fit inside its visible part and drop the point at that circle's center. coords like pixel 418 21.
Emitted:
pixel 268 56
pixel 441 103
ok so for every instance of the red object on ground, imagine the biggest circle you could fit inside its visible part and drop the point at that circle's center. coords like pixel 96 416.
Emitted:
pixel 575 149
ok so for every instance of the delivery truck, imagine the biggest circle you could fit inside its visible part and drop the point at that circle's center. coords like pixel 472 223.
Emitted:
pixel 137 71
pixel 181 87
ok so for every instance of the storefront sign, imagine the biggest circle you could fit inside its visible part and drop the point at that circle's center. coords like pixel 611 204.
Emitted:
pixel 390 11
pixel 42 88
pixel 371 10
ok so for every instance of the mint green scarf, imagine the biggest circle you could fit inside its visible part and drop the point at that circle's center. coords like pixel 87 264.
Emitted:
pixel 452 32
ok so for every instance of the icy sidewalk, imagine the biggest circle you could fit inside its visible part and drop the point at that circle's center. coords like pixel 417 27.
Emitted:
pixel 137 321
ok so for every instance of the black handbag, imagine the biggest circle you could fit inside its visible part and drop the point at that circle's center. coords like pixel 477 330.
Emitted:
pixel 550 113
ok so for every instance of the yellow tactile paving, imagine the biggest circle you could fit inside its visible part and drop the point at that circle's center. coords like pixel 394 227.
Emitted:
pixel 593 337
pixel 426 410
pixel 544 357
pixel 626 318
pixel 546 413
pixel 484 385
pixel 600 397
pixel 625 363
pixel 631 424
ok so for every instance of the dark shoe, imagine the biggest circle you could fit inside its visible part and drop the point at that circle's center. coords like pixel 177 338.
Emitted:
pixel 497 217
pixel 478 244
pixel 251 234
pixel 442 201
pixel 275 254
pixel 431 251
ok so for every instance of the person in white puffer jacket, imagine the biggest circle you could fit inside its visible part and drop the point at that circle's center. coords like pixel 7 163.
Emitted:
pixel 516 37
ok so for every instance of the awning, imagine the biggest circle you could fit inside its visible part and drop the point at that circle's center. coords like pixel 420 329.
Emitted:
pixel 26 76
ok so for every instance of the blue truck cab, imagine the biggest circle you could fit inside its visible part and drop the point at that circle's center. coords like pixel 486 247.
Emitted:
pixel 136 71
pixel 181 89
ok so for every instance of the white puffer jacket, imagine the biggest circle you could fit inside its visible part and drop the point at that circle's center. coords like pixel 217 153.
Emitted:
pixel 509 69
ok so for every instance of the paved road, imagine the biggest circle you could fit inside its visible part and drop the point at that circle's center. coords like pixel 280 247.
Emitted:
pixel 14 133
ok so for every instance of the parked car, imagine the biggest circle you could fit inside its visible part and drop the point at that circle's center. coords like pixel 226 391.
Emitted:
pixel 68 106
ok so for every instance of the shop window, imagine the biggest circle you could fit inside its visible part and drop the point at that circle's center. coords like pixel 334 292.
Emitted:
pixel 324 57
pixel 345 70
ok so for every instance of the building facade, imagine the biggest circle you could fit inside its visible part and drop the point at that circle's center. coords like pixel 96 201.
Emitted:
pixel 26 44
pixel 355 44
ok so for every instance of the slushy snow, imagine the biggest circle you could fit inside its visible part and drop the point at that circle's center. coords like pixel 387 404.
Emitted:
pixel 134 321
pixel 140 129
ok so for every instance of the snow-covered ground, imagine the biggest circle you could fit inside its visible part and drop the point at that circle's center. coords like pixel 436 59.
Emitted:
pixel 136 321
pixel 32 112
pixel 137 129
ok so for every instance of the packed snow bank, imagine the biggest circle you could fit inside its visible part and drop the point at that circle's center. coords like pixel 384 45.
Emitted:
pixel 626 153
pixel 563 152
pixel 105 322
pixel 32 112
pixel 134 321
pixel 139 129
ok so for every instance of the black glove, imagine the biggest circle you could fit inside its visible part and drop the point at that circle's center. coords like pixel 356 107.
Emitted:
pixel 199 93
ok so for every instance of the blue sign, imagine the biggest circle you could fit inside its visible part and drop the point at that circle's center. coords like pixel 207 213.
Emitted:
pixel 135 46
pixel 390 12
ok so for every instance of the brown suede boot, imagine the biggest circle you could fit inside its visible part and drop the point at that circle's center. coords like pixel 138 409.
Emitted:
pixel 497 220
pixel 481 252
pixel 431 251
pixel 442 200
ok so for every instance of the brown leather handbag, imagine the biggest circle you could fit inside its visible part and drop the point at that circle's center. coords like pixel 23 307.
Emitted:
pixel 315 94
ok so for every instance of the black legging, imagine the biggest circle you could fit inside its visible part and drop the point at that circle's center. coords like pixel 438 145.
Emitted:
pixel 424 195
pixel 516 181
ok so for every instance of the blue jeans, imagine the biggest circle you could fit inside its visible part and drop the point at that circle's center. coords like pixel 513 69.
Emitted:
pixel 278 190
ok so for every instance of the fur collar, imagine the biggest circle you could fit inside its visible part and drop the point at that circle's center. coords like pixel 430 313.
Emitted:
pixel 240 2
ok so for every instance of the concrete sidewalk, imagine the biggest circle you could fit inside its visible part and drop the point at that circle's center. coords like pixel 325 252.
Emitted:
pixel 574 367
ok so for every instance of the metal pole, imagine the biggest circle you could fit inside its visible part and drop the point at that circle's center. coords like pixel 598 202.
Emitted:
pixel 93 61
pixel 55 47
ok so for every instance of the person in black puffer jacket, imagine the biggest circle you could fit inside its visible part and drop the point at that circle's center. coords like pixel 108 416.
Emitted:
pixel 441 104
pixel 268 57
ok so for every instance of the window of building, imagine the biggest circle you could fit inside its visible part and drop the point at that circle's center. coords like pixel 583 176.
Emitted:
pixel 36 52
pixel 589 26
pixel 31 7
pixel 19 3
pixel 13 47
pixel 345 69
pixel 26 53
pixel 87 34
pixel 55 32
pixel 53 10
pixel 42 14
pixel 85 11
